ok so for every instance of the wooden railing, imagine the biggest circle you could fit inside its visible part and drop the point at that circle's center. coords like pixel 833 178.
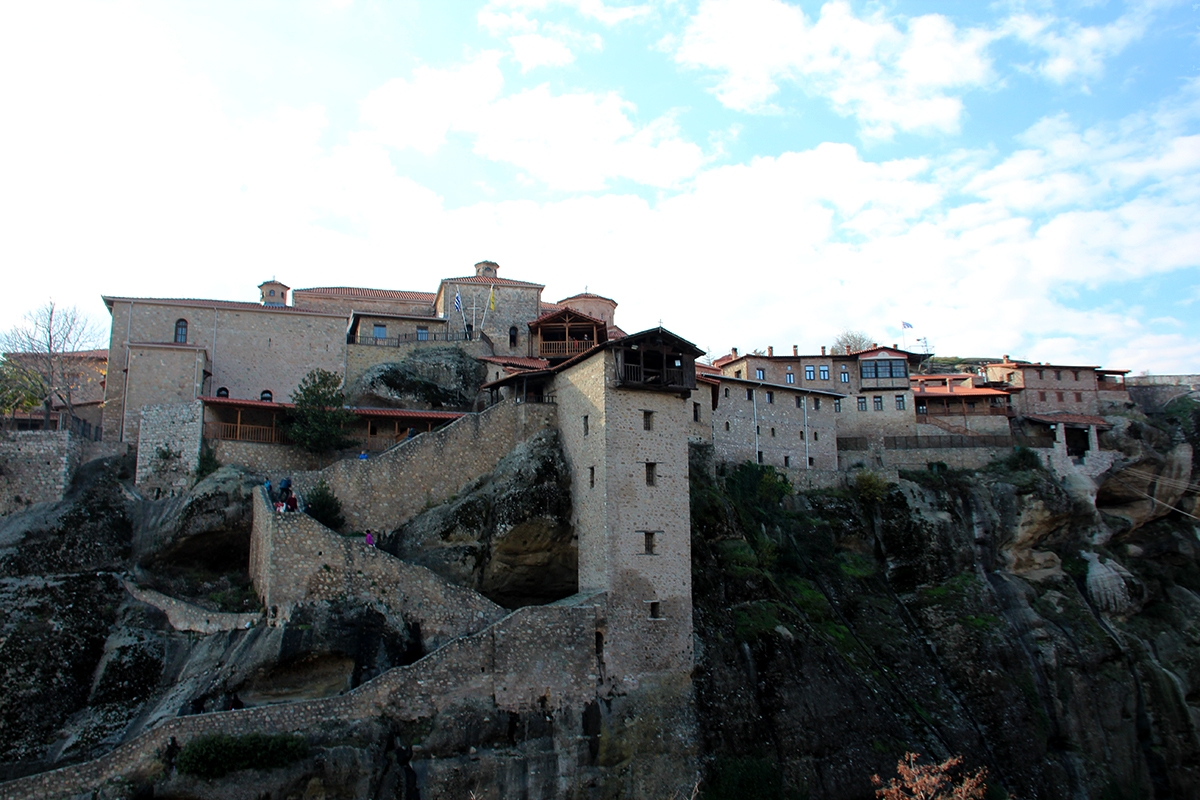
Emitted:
pixel 942 442
pixel 671 376
pixel 978 411
pixel 564 349
pixel 234 432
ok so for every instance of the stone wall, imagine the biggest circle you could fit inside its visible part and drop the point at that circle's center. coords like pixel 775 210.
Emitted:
pixel 386 491
pixel 507 664
pixel 169 446
pixel 36 467
pixel 294 560
pixel 788 435
pixel 275 460
pixel 1154 392
pixel 188 617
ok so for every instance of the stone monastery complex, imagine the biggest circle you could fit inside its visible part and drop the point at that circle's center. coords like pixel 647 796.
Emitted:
pixel 185 374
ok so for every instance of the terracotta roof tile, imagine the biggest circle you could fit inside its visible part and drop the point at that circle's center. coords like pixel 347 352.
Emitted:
pixel 517 361
pixel 232 305
pixel 379 294
pixel 479 279
pixel 1053 418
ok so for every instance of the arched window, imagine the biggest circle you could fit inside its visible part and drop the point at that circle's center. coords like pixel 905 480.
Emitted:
pixel 181 331
pixel 223 392
pixel 266 396
pixel 512 336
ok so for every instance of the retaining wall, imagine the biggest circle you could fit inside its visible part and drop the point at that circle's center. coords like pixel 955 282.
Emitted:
pixel 185 616
pixel 508 663
pixel 169 446
pixel 294 559
pixel 36 467
pixel 387 490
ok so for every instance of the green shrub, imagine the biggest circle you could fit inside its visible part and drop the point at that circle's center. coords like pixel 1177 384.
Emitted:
pixel 1023 459
pixel 215 755
pixel 869 487
pixel 324 506
pixel 207 464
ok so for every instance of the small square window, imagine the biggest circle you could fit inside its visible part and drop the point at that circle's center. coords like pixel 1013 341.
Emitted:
pixel 1075 373
pixel 726 424
pixel 649 542
pixel 845 376
pixel 1041 374
pixel 810 372
pixel 1058 374
pixel 824 372
pixel 799 401
pixel 787 461
pixel 422 334
pixel 647 420
pixel 837 405
pixel 1079 397
pixel 899 402
pixel 816 404
pixel 651 473
pixel 790 377
pixel 737 373
pixel 862 404
pixel 749 394
pixel 1059 395
pixel 1041 395
pixel 759 374
pixel 770 397
pixel 695 412
pixel 585 424
pixel 878 403
pixel 811 461
pixel 760 460
pixel 727 391
pixel 656 610
pixel 380 331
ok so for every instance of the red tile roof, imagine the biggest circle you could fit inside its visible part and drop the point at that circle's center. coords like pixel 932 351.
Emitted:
pixel 480 279
pixel 518 361
pixel 233 305
pixel 406 413
pixel 379 294
pixel 959 391
pixel 587 295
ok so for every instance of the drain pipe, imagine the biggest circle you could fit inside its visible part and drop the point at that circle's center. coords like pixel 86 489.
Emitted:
pixel 807 461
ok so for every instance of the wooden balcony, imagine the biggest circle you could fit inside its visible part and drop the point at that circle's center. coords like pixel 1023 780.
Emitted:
pixel 234 432
pixel 669 376
pixel 963 411
pixel 564 349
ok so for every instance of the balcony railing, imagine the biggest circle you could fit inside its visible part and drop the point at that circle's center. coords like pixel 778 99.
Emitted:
pixel 670 376
pixel 952 411
pixel 408 338
pixel 234 432
pixel 564 349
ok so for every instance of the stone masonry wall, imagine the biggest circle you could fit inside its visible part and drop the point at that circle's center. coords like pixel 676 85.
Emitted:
pixel 169 446
pixel 508 664
pixel 36 467
pixel 294 559
pixel 385 491
pixel 785 438
pixel 188 617
pixel 276 460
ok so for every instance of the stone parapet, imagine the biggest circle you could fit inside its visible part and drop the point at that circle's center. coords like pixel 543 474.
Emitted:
pixel 185 616
pixel 387 490
pixel 294 559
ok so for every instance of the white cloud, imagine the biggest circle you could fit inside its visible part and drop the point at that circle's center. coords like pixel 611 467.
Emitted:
pixel 1077 52
pixel 534 50
pixel 420 112
pixel 598 10
pixel 575 141
pixel 890 78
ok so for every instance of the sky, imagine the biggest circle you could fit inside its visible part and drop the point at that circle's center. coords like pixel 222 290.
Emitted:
pixel 1017 177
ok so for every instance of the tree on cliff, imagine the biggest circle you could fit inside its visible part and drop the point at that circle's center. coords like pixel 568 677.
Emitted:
pixel 318 420
pixel 42 359
pixel 932 782
pixel 849 341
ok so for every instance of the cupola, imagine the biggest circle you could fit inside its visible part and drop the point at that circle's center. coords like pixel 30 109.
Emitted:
pixel 273 293
pixel 486 269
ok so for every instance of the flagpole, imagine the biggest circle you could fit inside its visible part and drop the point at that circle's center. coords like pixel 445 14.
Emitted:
pixel 483 324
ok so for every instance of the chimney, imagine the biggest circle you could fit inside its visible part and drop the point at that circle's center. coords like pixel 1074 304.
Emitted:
pixel 1006 361
pixel 894 346
pixel 822 349
pixel 795 350
pixel 734 351
pixel 770 351
pixel 874 345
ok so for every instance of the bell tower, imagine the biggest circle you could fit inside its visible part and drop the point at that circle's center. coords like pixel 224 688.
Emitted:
pixel 486 269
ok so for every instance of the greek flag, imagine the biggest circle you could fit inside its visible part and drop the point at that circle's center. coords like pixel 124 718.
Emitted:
pixel 905 325
pixel 457 301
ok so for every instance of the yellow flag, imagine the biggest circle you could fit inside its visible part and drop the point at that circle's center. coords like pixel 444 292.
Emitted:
pixel 492 299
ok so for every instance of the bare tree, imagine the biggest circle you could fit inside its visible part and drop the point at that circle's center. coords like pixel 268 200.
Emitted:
pixel 41 358
pixel 849 341
pixel 945 781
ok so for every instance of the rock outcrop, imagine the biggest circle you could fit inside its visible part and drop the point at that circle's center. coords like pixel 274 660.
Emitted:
pixel 507 535
pixel 431 377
